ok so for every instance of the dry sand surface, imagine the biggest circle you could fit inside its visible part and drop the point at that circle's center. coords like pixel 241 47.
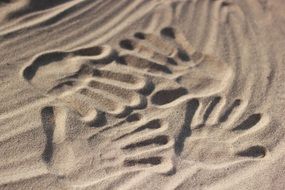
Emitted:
pixel 142 94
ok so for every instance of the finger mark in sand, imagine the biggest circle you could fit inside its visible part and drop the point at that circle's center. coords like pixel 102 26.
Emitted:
pixel 155 141
pixel 48 120
pixel 151 125
pixel 145 64
pixel 167 96
pixel 97 54
pixel 185 132
pixel 253 152
pixel 249 122
pixel 229 110
pixel 157 164
pixel 144 161
pixel 128 97
pixel 183 55
pixel 92 51
pixel 126 80
pixel 103 101
pixel 127 44
pixel 140 35
pixel 62 141
pixel 134 117
pixel 42 60
pixel 169 32
pixel 206 112
pixel 211 107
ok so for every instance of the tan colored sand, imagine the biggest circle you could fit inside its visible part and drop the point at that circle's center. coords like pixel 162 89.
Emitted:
pixel 157 94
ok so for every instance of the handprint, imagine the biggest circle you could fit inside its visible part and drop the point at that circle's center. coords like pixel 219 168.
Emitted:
pixel 81 80
pixel 170 55
pixel 78 152
pixel 228 139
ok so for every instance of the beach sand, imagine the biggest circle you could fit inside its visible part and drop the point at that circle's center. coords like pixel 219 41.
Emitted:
pixel 142 94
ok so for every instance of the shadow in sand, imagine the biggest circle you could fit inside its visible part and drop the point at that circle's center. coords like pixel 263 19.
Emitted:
pixel 185 132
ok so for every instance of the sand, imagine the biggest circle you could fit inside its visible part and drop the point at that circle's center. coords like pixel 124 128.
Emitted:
pixel 142 94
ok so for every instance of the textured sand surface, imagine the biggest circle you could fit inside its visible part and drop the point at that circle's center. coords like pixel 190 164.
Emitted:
pixel 142 94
